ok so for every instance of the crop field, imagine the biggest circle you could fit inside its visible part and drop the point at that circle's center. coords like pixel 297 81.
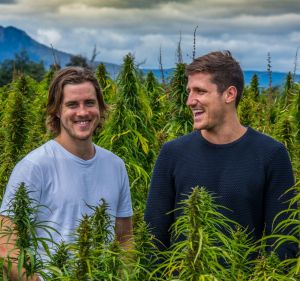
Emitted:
pixel 144 114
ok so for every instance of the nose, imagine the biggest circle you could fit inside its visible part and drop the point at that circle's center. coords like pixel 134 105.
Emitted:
pixel 82 110
pixel 191 100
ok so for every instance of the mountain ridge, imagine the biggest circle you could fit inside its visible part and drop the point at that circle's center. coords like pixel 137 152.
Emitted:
pixel 13 40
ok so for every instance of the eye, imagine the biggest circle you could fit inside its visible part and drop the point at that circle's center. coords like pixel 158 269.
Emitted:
pixel 71 104
pixel 200 91
pixel 90 103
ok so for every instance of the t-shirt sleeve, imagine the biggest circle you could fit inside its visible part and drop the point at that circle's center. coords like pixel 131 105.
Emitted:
pixel 24 172
pixel 124 207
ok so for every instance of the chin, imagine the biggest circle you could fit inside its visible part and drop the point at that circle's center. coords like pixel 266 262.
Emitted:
pixel 198 127
pixel 83 138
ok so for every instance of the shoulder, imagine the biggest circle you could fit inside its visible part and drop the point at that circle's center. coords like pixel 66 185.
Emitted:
pixel 176 149
pixel 35 163
pixel 29 171
pixel 182 142
pixel 267 148
pixel 108 156
pixel 40 154
pixel 35 159
pixel 264 142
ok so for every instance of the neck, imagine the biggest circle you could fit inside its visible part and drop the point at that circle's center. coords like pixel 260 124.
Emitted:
pixel 83 149
pixel 225 134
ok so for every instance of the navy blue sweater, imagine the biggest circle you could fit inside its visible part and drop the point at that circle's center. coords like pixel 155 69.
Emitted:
pixel 248 176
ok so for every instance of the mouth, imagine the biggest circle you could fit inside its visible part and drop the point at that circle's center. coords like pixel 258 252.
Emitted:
pixel 83 123
pixel 197 112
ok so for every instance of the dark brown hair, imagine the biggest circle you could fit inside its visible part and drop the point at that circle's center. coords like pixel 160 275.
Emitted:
pixel 70 75
pixel 225 71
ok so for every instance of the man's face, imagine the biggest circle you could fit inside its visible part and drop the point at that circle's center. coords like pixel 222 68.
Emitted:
pixel 206 103
pixel 79 114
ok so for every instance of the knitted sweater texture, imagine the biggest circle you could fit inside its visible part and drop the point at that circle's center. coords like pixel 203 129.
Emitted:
pixel 248 177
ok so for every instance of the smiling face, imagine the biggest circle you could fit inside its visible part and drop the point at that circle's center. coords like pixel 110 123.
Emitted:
pixel 79 113
pixel 207 104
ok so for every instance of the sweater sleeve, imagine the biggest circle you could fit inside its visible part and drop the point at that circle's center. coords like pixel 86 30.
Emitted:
pixel 161 199
pixel 279 179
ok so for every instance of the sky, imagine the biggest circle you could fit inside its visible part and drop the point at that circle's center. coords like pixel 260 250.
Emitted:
pixel 250 29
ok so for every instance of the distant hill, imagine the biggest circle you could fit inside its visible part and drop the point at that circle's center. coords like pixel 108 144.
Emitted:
pixel 278 78
pixel 13 40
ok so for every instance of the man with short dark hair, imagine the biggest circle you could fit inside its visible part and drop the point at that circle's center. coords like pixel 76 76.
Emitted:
pixel 246 171
pixel 70 173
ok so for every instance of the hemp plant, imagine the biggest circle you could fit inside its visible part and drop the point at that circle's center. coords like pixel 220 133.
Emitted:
pixel 180 115
pixel 37 133
pixel 59 263
pixel 159 106
pixel 128 131
pixel 93 254
pixel 266 268
pixel 82 250
pixel 14 128
pixel 145 253
pixel 202 248
pixel 108 86
pixel 105 250
pixel 19 227
pixel 291 227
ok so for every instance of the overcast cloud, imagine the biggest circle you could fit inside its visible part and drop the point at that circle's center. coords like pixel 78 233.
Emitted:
pixel 249 29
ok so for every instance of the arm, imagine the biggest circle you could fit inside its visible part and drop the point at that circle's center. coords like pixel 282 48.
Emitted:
pixel 8 250
pixel 161 200
pixel 279 179
pixel 123 224
pixel 124 232
pixel 23 172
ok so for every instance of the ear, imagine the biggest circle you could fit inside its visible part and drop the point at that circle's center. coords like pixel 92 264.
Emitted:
pixel 230 94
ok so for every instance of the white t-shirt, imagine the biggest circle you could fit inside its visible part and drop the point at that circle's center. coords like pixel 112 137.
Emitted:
pixel 65 184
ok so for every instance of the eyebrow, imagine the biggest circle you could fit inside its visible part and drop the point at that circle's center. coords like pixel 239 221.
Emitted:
pixel 197 88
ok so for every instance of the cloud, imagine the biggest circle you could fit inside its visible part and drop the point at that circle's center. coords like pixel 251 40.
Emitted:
pixel 48 36
pixel 7 2
pixel 128 4
pixel 250 29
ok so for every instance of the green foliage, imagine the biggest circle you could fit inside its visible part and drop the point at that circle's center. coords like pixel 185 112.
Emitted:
pixel 158 104
pixel 214 248
pixel 59 263
pixel 180 118
pixel 83 244
pixel 14 127
pixel 145 254
pixel 128 131
pixel 208 251
pixel 144 114
pixel 292 226
pixel 22 213
pixel 78 60
pixel 20 65
pixel 107 84
pixel 102 75
pixel 266 268
pixel 288 88
pixel 247 109
pixel 155 92
pixel 22 122
pixel 254 87
pixel 36 120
